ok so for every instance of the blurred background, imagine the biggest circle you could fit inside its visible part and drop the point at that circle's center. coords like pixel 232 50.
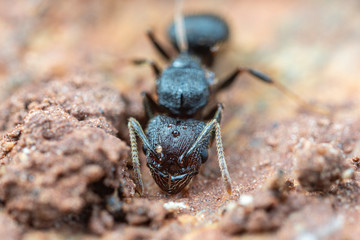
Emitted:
pixel 313 47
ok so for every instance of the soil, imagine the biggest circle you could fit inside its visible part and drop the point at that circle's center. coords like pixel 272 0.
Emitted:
pixel 67 90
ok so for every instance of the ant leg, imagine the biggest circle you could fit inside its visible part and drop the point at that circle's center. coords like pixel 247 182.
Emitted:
pixel 214 113
pixel 261 76
pixel 231 78
pixel 149 105
pixel 154 66
pixel 157 45
pixel 211 126
pixel 136 129
pixel 221 158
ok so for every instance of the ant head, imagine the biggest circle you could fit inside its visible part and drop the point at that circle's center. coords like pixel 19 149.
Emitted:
pixel 175 162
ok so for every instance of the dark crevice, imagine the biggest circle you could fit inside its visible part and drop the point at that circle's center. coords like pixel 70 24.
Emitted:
pixel 100 189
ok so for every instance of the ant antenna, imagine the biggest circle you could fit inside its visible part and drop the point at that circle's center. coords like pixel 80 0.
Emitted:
pixel 180 27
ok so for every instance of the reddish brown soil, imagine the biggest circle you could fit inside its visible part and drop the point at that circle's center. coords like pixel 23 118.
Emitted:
pixel 66 170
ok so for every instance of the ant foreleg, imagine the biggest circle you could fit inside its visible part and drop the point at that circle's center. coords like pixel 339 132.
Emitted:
pixel 136 129
pixel 153 65
pixel 211 126
pixel 221 158
pixel 157 45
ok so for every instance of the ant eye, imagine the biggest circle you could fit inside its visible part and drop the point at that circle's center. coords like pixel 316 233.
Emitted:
pixel 175 133
pixel 204 155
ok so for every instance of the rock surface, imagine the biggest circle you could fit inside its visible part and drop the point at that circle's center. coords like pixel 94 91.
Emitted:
pixel 309 46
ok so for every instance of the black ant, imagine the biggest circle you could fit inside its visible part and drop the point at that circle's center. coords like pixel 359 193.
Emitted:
pixel 175 143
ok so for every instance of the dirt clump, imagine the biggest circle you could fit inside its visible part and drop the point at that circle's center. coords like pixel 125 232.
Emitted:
pixel 100 221
pixel 140 211
pixel 130 233
pixel 137 212
pixel 85 98
pixel 320 165
pixel 57 166
pixel 316 220
pixel 172 231
pixel 264 211
pixel 346 192
pixel 9 229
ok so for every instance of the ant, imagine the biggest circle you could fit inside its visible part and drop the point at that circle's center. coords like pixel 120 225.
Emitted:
pixel 176 141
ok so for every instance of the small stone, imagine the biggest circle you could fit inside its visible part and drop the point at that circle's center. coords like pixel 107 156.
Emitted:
pixel 7 146
pixel 348 174
pixel 175 206
pixel 246 200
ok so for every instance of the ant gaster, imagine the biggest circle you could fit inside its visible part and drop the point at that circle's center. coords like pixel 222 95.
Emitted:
pixel 175 143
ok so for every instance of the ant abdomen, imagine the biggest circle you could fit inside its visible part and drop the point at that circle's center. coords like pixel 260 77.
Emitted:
pixel 203 32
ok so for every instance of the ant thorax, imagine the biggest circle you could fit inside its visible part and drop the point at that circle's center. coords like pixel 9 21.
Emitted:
pixel 183 87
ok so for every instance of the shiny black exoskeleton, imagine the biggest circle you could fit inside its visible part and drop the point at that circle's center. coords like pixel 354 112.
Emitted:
pixel 171 170
pixel 183 87
pixel 204 33
pixel 175 143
